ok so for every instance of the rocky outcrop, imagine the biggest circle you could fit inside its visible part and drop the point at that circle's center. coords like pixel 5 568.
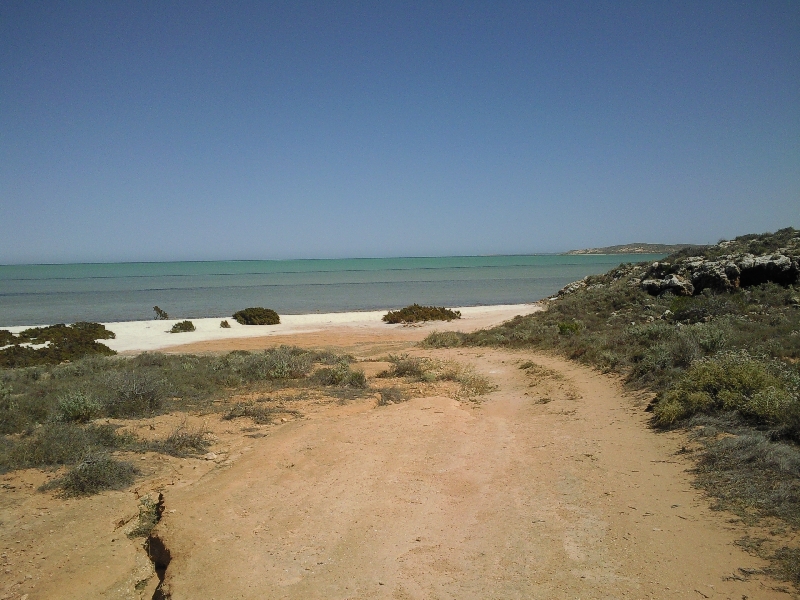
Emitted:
pixel 572 287
pixel 673 283
pixel 694 274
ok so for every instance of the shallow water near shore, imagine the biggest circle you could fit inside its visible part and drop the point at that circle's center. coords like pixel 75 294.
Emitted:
pixel 105 292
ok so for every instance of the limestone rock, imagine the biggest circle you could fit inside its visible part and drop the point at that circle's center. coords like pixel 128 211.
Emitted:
pixel 672 283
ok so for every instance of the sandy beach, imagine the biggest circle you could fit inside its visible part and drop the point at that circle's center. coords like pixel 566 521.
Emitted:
pixel 143 336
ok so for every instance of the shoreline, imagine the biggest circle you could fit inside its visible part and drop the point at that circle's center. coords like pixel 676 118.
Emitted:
pixel 143 336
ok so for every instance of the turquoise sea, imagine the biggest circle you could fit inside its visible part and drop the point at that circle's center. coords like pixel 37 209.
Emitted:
pixel 45 294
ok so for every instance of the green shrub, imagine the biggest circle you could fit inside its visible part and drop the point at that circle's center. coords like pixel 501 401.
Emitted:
pixel 50 444
pixel 283 362
pixel 756 388
pixel 225 325
pixel 132 394
pixel 342 375
pixel 787 564
pixel 747 470
pixel 6 337
pixel 94 474
pixel 63 343
pixel 416 313
pixel 59 443
pixel 257 316
pixel 443 339
pixel 404 365
pixel 260 412
pixel 182 327
pixel 569 327
pixel 391 395
pixel 77 406
pixel 182 441
pixel 160 314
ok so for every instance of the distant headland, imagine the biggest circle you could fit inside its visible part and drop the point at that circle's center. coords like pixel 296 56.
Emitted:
pixel 636 248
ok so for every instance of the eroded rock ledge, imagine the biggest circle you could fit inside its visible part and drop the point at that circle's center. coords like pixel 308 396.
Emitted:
pixel 691 275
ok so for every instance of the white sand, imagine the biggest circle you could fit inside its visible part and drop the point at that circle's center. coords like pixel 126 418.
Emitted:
pixel 140 336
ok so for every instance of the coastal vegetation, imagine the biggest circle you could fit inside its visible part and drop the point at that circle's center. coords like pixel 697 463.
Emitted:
pixel 53 344
pixel 416 313
pixel 160 314
pixel 182 327
pixel 257 316
pixel 430 370
pixel 714 335
pixel 74 414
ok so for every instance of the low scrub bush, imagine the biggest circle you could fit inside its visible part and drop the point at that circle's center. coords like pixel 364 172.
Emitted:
pixel 260 412
pixel 787 561
pixel 78 406
pixel 183 441
pixel 342 375
pixel 182 327
pixel 283 362
pixel 569 327
pixel 57 443
pixel 763 390
pixel 443 339
pixel 160 314
pixel 144 385
pixel 58 343
pixel 257 316
pixel 404 365
pixel 132 394
pixel 391 395
pixel 94 474
pixel 747 471
pixel 430 370
pixel 225 325
pixel 416 313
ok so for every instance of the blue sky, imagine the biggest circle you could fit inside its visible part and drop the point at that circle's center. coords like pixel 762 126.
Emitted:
pixel 238 130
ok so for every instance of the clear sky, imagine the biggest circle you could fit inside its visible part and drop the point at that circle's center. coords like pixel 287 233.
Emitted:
pixel 254 130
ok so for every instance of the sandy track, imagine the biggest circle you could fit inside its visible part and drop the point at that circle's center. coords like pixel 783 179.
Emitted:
pixel 432 498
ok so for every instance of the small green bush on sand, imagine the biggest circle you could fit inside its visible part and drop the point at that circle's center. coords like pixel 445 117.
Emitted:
pixel 257 316
pixel 78 407
pixel 183 441
pixel 340 374
pixel 416 313
pixel 260 411
pixel 765 391
pixel 430 370
pixel 225 325
pixel 57 443
pixel 391 395
pixel 55 344
pixel 94 474
pixel 444 339
pixel 182 327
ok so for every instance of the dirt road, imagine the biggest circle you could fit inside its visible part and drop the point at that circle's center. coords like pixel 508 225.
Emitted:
pixel 551 487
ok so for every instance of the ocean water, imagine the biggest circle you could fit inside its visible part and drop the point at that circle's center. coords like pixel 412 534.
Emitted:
pixel 46 294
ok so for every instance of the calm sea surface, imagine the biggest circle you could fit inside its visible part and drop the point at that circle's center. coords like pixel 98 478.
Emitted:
pixel 44 294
